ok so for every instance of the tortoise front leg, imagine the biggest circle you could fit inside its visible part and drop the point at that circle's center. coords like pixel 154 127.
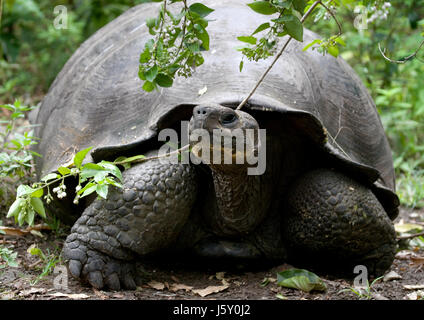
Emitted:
pixel 334 222
pixel 144 216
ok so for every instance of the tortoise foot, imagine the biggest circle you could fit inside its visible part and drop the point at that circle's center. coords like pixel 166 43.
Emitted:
pixel 99 269
pixel 334 223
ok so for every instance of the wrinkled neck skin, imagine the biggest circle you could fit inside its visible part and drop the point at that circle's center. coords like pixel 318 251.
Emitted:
pixel 240 201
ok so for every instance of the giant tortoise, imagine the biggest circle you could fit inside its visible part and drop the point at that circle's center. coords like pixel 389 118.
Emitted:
pixel 325 200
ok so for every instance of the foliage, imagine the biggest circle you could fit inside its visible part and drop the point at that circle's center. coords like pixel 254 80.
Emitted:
pixel 29 42
pixel 92 177
pixel 397 89
pixel 50 260
pixel 15 156
pixel 176 49
pixel 364 293
pixel 300 279
pixel 7 256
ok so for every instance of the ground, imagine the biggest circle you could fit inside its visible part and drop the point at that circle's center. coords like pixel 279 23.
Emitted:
pixel 167 281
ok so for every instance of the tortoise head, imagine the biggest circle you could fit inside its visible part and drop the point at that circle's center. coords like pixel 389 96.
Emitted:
pixel 224 138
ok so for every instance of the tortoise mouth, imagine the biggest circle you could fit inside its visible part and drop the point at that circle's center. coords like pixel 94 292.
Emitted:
pixel 220 135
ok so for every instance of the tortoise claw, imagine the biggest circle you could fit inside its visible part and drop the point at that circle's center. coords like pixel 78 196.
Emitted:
pixel 100 270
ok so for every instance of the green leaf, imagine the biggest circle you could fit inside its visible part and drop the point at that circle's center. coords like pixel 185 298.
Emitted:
pixel 150 22
pixel 300 5
pixel 151 73
pixel 262 7
pixel 200 9
pixel 15 208
pixel 91 170
pixel 21 217
pixel 30 217
pixel 35 251
pixel 37 193
pixel 203 36
pixel 241 65
pixel 88 189
pixel 145 56
pixel 262 27
pixel 294 28
pixel 24 190
pixel 64 170
pixel 247 39
pixel 300 279
pixel 38 206
pixel 316 41
pixel 102 190
pixel 334 51
pixel 49 177
pixel 111 168
pixel 148 86
pixel 340 41
pixel 123 160
pixel 113 183
pixel 80 156
pixel 163 80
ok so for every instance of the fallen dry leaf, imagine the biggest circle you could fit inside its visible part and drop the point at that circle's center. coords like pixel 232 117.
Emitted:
pixel 178 286
pixel 392 275
pixel 405 255
pixel 414 287
pixel 175 279
pixel 32 291
pixel 378 296
pixel 74 296
pixel 417 261
pixel 209 290
pixel 415 295
pixel 22 232
pixel 100 294
pixel 156 285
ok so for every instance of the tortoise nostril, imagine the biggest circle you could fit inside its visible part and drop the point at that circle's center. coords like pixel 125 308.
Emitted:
pixel 201 111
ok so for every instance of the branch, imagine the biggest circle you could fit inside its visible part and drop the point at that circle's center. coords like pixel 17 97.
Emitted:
pixel 258 83
pixel 335 19
pixel 410 57
pixel 410 236
pixel 186 147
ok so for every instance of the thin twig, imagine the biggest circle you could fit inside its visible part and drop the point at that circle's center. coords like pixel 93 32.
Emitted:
pixel 413 55
pixel 258 83
pixel 183 32
pixel 161 26
pixel 410 236
pixel 155 157
pixel 335 19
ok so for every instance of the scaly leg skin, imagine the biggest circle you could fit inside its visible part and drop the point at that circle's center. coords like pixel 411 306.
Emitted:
pixel 144 216
pixel 335 223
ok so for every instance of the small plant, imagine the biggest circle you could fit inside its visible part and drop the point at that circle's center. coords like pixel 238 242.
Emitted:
pixel 92 177
pixel 15 156
pixel 7 256
pixel 50 260
pixel 363 293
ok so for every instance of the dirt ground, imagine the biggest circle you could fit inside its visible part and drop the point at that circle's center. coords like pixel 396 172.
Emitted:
pixel 176 282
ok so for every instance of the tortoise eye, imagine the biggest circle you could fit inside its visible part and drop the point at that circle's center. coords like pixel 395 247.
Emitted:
pixel 228 118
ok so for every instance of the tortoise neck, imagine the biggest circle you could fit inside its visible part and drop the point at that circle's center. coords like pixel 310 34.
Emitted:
pixel 240 202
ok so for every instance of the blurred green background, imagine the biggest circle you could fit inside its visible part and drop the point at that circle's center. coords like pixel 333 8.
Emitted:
pixel 32 52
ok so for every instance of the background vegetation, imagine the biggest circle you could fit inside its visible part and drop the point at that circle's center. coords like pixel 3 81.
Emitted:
pixel 32 52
